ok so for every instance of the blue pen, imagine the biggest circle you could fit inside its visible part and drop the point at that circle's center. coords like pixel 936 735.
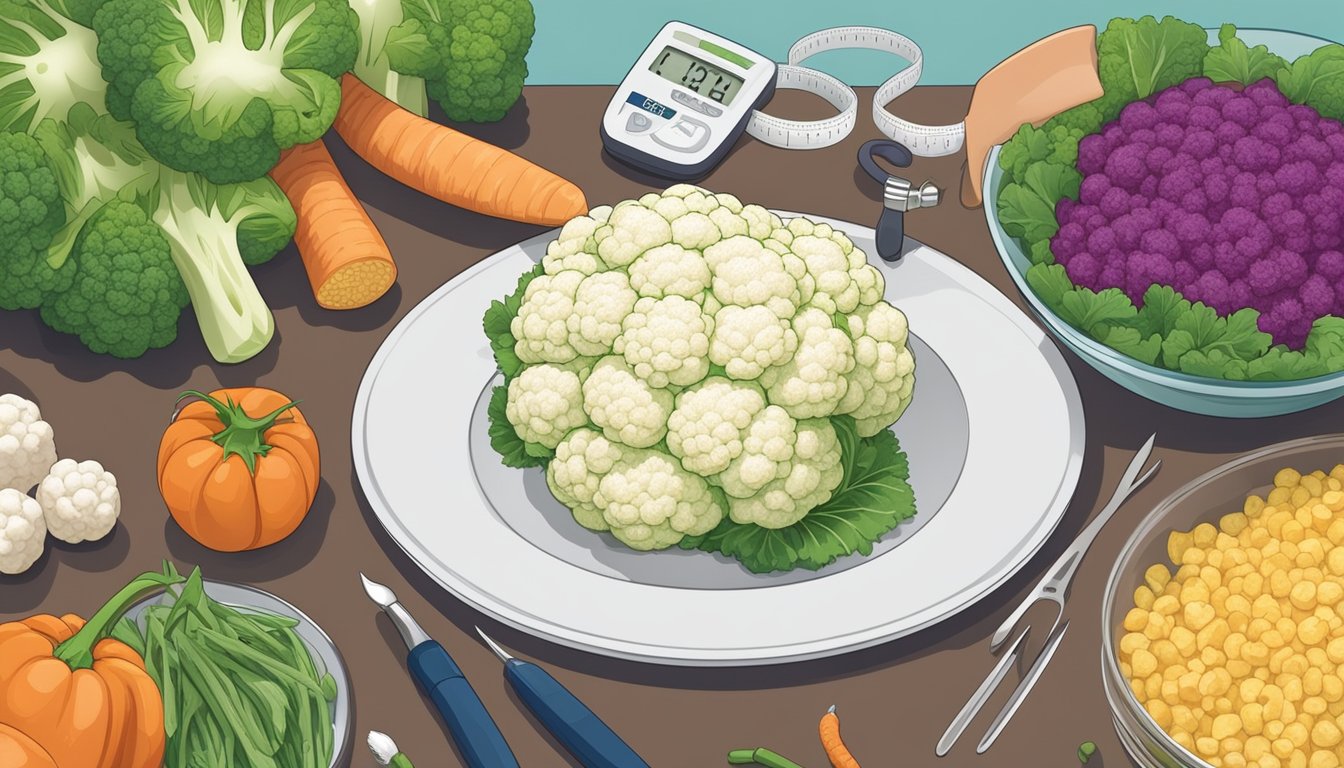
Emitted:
pixel 477 737
pixel 560 712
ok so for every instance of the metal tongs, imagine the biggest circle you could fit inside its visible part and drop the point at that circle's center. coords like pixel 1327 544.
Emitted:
pixel 1053 587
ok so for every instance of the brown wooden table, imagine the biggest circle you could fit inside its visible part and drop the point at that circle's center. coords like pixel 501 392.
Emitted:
pixel 895 699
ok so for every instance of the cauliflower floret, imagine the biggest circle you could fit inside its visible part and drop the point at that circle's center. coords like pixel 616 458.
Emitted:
pixel 601 214
pixel 631 230
pixel 706 429
pixel 748 340
pixel 628 410
pixel 815 474
pixel 748 274
pixel 670 270
pixel 23 531
pixel 813 383
pixel 767 453
pixel 601 302
pixel 666 341
pixel 883 378
pixel 696 231
pixel 689 197
pixel 759 221
pixel 27 444
pixel 546 402
pixel 729 201
pixel 728 223
pixel 581 460
pixel 79 500
pixel 542 324
pixel 574 248
pixel 649 502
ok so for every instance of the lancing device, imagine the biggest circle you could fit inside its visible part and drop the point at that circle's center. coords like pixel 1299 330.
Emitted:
pixel 477 737
pixel 898 195
pixel 571 722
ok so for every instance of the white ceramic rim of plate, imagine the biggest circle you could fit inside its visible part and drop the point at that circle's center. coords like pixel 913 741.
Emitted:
pixel 531 590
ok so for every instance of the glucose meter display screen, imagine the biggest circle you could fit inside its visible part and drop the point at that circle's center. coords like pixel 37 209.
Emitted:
pixel 695 75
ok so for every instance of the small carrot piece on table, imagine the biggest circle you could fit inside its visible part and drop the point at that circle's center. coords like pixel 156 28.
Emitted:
pixel 449 165
pixel 348 262
pixel 836 751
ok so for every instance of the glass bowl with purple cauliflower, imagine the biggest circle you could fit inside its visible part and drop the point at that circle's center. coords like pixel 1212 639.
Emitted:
pixel 1184 232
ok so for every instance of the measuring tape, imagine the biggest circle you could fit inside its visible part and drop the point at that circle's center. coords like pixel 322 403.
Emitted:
pixel 922 140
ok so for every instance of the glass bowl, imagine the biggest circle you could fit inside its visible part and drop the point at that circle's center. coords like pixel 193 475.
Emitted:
pixel 1195 394
pixel 1203 500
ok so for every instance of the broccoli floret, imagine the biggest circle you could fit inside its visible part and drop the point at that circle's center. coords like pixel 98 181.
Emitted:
pixel 1139 57
pixel 126 296
pixel 220 87
pixel 467 55
pixel 47 64
pixel 31 212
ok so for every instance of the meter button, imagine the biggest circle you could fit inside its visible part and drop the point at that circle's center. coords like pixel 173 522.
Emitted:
pixel 684 135
pixel 638 123
pixel 711 110
pixel 699 105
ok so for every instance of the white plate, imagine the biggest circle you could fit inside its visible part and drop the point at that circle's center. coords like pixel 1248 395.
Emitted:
pixel 994 436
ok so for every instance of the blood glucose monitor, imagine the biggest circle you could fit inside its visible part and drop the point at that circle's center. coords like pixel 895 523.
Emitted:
pixel 685 102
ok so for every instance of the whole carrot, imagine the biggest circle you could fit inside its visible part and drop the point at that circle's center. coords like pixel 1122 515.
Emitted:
pixel 347 260
pixel 836 751
pixel 450 165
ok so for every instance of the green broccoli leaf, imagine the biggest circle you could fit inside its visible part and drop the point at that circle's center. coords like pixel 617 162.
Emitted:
pixel 1027 209
pixel 498 322
pixel 1283 364
pixel 1029 145
pixel 1095 313
pixel 1137 58
pixel 873 498
pixel 1050 283
pixel 1081 120
pixel 513 450
pixel 1242 337
pixel 1040 253
pixel 1214 364
pixel 1162 307
pixel 1175 346
pixel 1132 342
pixel 1233 62
pixel 1316 80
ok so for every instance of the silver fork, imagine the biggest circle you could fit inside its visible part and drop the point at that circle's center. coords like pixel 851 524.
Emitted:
pixel 1053 587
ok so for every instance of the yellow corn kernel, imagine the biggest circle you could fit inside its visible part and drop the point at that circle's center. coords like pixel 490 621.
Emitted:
pixel 1188 685
pixel 1184 641
pixel 1300 496
pixel 1335 533
pixel 1281 748
pixel 1156 577
pixel 1235 522
pixel 1194 590
pixel 1240 669
pixel 1225 726
pixel 1160 712
pixel 1166 653
pixel 1334 559
pixel 1323 759
pixel 1314 706
pixel 1313 485
pixel 1253 506
pixel 1312 630
pixel 1177 543
pixel 1329 592
pixel 1213 634
pixel 1292 530
pixel 1206 746
pixel 1166 605
pixel 1333 499
pixel 1132 641
pixel 1253 585
pixel 1332 688
pixel 1303 595
pixel 1325 734
pixel 1279 584
pixel 1204 535
pixel 1254 652
pixel 1256 746
pixel 1287 478
pixel 1252 718
pixel 1143 598
pixel 1143 663
pixel 1198 614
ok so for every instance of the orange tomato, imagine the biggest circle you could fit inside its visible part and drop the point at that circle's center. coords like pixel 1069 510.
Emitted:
pixel 239 468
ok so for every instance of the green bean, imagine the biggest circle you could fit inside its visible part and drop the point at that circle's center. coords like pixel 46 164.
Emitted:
pixel 1086 750
pixel 760 756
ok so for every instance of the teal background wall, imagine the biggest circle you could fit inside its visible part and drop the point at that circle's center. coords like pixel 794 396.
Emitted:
pixel 595 41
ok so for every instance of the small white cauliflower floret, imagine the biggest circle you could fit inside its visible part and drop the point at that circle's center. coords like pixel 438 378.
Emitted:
pixel 670 270
pixel 581 460
pixel 601 303
pixel 759 221
pixel 883 378
pixel 574 248
pixel 813 383
pixel 23 531
pixel 815 474
pixel 631 230
pixel 748 340
pixel 649 502
pixel 627 409
pixel 27 444
pixel 666 341
pixel 79 501
pixel 706 429
pixel 546 402
pixel 542 324
pixel 767 453
pixel 748 274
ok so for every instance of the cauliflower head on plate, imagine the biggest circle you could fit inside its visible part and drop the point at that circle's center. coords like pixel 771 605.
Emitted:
pixel 684 363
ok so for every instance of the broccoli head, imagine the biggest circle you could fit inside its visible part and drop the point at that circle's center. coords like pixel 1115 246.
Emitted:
pixel 1139 57
pixel 467 55
pixel 47 64
pixel 126 295
pixel 31 211
pixel 220 87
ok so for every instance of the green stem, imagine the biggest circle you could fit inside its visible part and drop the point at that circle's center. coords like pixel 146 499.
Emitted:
pixel 77 652
pixel 242 435
pixel 401 761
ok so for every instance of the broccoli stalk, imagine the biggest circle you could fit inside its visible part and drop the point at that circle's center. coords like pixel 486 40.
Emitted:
pixel 47 65
pixel 469 56
pixel 204 227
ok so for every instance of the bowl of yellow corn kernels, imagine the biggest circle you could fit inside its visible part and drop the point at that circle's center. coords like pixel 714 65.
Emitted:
pixel 1223 642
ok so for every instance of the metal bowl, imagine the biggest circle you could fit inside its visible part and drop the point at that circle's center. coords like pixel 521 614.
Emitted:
pixel 326 657
pixel 1203 500
pixel 1196 394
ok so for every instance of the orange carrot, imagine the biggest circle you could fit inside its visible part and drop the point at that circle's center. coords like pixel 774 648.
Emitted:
pixel 836 751
pixel 348 263
pixel 450 165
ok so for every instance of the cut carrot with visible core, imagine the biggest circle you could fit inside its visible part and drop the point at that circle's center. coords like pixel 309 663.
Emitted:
pixel 348 263
pixel 449 165
pixel 836 751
